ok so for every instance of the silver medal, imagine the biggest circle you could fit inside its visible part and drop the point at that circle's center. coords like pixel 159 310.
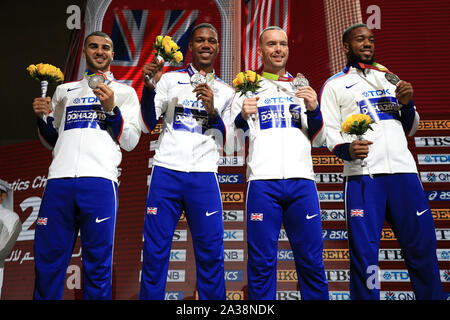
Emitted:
pixel 95 80
pixel 300 81
pixel 197 78
pixel 392 78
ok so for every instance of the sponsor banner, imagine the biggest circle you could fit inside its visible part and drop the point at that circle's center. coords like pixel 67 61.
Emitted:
pixel 441 234
pixel 339 295
pixel 437 158
pixel 435 176
pixel 235 295
pixel 334 234
pixel 327 160
pixel 434 125
pixel 343 275
pixel 331 196
pixel 177 255
pixel 432 141
pixel 329 177
pixel 288 295
pixel 343 255
pixel 285 255
pixel 174 295
pixel 176 276
pixel 179 235
pixel 438 195
pixel 233 215
pixel 397 255
pixel 333 215
pixel 233 235
pixel 227 178
pixel 234 275
pixel 233 255
pixel 231 161
pixel 232 197
pixel 440 214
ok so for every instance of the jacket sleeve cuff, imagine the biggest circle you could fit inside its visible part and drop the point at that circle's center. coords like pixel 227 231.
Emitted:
pixel 115 122
pixel 240 123
pixel 343 151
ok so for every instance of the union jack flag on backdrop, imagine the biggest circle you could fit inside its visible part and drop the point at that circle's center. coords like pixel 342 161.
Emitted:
pixel 134 32
pixel 258 15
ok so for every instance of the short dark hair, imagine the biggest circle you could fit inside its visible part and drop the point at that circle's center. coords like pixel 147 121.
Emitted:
pixel 349 30
pixel 206 25
pixel 98 34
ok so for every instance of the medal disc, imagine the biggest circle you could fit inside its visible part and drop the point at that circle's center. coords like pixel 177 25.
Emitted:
pixel 95 80
pixel 197 78
pixel 392 78
pixel 300 81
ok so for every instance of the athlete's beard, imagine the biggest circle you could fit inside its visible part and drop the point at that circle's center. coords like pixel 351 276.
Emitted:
pixel 356 58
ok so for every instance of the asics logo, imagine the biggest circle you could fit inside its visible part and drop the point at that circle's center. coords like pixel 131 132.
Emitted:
pixel 210 213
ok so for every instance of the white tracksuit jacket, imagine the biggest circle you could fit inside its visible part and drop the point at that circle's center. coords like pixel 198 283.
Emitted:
pixel 186 142
pixel 89 140
pixel 356 90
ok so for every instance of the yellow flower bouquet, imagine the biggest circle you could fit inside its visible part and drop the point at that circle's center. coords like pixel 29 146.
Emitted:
pixel 167 49
pixel 45 74
pixel 247 83
pixel 358 124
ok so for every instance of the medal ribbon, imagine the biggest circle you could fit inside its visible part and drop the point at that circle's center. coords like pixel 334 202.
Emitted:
pixel 276 77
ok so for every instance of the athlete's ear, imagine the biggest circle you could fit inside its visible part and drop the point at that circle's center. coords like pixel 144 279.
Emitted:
pixel 346 47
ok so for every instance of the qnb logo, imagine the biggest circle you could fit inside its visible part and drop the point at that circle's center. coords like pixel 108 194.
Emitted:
pixel 376 93
pixel 278 100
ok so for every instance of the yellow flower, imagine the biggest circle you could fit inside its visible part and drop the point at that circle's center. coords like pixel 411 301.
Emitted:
pixel 240 78
pixel 178 56
pixel 174 46
pixel 32 69
pixel 159 39
pixel 166 40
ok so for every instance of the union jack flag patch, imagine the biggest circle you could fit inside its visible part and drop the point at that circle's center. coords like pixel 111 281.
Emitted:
pixel 256 217
pixel 42 221
pixel 357 213
pixel 152 210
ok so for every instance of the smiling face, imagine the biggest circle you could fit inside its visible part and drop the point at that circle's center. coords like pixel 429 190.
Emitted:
pixel 98 52
pixel 205 47
pixel 360 46
pixel 273 49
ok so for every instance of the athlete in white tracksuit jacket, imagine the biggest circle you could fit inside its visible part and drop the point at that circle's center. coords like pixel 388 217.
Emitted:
pixel 388 186
pixel 86 129
pixel 281 183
